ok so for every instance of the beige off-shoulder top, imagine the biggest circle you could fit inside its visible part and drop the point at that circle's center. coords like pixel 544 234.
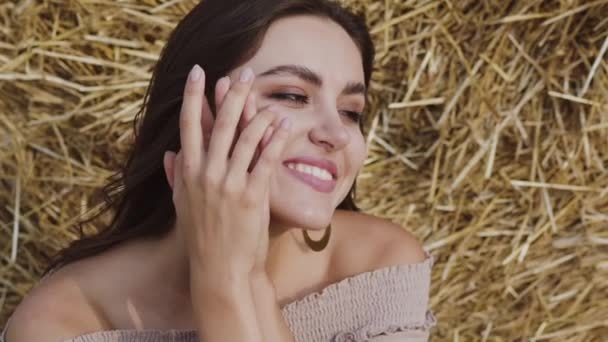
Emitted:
pixel 386 304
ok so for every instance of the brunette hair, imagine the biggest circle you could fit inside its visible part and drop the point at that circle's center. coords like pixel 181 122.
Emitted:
pixel 219 35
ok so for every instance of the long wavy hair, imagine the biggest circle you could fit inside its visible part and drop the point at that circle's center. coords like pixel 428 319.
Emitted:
pixel 219 35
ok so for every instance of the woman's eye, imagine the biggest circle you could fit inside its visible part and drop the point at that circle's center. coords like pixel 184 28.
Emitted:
pixel 355 116
pixel 290 97
pixel 303 99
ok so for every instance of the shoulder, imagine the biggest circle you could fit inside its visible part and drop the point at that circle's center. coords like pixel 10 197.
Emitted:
pixel 54 310
pixel 371 242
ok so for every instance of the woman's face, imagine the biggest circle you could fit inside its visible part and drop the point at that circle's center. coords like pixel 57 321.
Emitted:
pixel 320 86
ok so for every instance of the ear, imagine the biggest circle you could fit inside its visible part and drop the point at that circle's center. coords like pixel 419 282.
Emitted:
pixel 168 165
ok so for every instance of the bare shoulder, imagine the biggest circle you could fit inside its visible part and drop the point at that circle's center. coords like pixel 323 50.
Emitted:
pixel 56 309
pixel 368 242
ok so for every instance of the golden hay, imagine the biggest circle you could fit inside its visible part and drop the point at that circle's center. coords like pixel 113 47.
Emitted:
pixel 487 127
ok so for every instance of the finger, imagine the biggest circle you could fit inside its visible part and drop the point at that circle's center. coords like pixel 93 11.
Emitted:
pixel 260 177
pixel 178 191
pixel 248 113
pixel 190 122
pixel 264 141
pixel 262 145
pixel 226 121
pixel 206 122
pixel 267 136
pixel 221 88
pixel 177 177
pixel 208 119
pixel 247 144
pixel 169 166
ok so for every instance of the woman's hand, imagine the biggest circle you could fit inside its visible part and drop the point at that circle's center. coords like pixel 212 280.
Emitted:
pixel 222 209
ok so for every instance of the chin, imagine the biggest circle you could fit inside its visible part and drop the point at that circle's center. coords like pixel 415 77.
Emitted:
pixel 310 219
pixel 295 205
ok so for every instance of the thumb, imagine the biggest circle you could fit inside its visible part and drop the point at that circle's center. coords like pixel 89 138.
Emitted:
pixel 169 166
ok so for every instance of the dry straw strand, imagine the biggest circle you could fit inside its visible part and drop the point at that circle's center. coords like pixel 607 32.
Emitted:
pixel 486 131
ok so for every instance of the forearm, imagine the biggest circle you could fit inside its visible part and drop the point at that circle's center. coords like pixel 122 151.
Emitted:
pixel 225 313
pixel 270 318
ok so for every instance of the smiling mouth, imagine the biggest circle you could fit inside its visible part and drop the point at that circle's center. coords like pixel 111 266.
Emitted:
pixel 321 185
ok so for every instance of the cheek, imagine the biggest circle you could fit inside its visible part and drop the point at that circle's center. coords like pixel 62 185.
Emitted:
pixel 358 152
pixel 261 100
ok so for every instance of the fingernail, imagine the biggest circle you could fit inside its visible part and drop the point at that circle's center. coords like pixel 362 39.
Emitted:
pixel 195 73
pixel 246 74
pixel 285 123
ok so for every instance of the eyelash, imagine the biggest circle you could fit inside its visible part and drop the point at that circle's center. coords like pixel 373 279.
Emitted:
pixel 301 99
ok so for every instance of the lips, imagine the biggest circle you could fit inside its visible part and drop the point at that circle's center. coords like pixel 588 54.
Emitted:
pixel 325 164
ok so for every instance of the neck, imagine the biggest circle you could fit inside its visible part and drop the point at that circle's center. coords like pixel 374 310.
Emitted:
pixel 285 246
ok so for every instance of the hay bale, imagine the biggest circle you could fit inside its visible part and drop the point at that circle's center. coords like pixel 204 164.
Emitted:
pixel 487 127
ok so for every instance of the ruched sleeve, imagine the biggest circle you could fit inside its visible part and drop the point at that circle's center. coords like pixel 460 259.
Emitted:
pixel 376 304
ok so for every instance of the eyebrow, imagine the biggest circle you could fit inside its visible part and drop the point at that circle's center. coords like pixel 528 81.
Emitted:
pixel 307 75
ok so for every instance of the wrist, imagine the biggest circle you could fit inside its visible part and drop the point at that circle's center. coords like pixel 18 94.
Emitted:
pixel 224 285
pixel 214 305
pixel 261 285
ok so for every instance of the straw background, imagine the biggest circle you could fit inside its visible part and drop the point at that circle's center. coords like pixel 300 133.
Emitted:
pixel 487 126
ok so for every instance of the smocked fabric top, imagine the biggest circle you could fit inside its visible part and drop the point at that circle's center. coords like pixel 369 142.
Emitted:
pixel 386 304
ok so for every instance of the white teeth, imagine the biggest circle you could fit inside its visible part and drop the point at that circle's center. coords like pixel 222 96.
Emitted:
pixel 313 170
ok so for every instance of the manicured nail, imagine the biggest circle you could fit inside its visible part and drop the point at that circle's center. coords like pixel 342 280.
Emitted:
pixel 246 74
pixel 285 123
pixel 195 73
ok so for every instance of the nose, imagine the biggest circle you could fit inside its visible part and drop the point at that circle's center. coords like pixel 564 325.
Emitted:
pixel 330 132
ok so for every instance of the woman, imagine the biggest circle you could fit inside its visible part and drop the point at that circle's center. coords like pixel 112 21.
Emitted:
pixel 246 229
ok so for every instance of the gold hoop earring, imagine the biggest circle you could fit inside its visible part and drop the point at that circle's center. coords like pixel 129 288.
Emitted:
pixel 320 245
